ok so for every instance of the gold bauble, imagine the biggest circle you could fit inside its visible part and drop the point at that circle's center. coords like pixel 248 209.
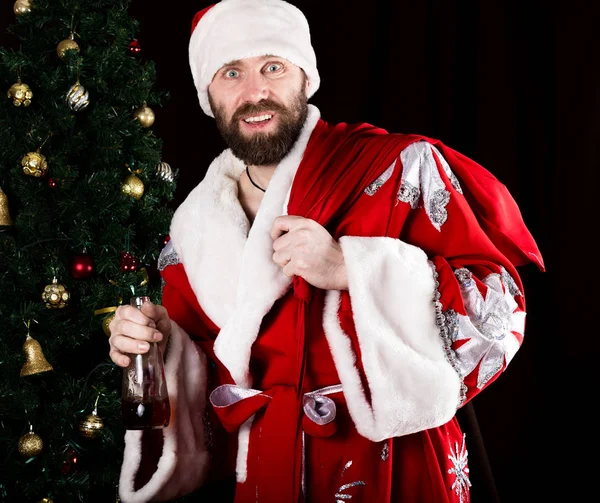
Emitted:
pixel 91 425
pixel 30 445
pixel 45 500
pixel 133 186
pixel 105 322
pixel 145 116
pixel 68 44
pixel 4 214
pixel 20 94
pixel 77 97
pixel 55 295
pixel 22 7
pixel 34 164
pixel 36 362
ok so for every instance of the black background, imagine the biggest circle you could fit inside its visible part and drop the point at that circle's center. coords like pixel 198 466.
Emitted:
pixel 514 86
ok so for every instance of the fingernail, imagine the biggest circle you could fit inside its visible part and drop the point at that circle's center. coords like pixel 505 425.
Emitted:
pixel 158 336
pixel 143 345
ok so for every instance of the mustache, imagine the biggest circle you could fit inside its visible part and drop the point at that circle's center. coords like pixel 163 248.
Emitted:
pixel 258 108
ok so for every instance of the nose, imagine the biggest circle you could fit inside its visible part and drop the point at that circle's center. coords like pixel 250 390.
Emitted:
pixel 256 87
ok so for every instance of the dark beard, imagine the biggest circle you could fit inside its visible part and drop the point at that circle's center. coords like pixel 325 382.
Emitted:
pixel 263 148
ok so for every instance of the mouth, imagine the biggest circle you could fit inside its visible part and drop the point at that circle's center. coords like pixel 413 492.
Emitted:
pixel 258 122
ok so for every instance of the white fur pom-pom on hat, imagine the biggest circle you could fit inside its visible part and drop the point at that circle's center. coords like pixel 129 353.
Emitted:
pixel 236 29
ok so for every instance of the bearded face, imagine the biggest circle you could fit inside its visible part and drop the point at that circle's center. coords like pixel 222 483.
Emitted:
pixel 263 148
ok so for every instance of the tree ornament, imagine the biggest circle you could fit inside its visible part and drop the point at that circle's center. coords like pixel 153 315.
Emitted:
pixel 30 444
pixel 4 214
pixel 144 115
pixel 34 164
pixel 92 424
pixel 164 171
pixel 70 458
pixel 22 7
pixel 35 361
pixel 106 324
pixel 45 500
pixel 134 47
pixel 107 319
pixel 77 97
pixel 81 265
pixel 20 94
pixel 55 295
pixel 68 44
pixel 52 183
pixel 129 263
pixel 132 185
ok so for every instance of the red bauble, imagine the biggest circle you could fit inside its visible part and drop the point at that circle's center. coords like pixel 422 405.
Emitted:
pixel 69 463
pixel 128 262
pixel 52 183
pixel 134 47
pixel 166 239
pixel 81 266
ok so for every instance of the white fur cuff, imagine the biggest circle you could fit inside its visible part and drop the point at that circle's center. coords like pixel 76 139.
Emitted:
pixel 412 385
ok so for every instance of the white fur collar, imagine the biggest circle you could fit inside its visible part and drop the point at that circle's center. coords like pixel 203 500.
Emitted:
pixel 229 264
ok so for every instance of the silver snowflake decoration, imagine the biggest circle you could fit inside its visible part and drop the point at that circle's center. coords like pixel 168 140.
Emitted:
pixel 459 469
pixel 489 327
pixel 342 496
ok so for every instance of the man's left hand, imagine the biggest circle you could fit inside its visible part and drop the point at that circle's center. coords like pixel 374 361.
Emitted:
pixel 302 247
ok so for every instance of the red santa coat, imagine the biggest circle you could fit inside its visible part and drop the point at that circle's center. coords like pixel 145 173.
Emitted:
pixel 333 396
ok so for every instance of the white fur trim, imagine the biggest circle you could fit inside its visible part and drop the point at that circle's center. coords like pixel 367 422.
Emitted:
pixel 231 270
pixel 183 464
pixel 412 385
pixel 238 29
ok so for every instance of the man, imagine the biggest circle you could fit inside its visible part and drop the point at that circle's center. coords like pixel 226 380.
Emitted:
pixel 334 291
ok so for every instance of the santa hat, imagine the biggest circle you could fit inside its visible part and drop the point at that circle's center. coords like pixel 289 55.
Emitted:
pixel 237 29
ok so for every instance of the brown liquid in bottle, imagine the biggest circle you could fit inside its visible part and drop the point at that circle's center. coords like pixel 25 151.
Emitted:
pixel 145 415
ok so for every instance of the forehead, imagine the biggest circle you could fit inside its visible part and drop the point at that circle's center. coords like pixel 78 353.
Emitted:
pixel 255 61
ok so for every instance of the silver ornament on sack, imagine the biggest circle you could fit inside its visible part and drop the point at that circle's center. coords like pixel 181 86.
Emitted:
pixel 77 98
pixel 164 171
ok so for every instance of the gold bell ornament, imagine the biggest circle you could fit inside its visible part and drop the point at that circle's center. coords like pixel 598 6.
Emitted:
pixel 55 295
pixel 30 444
pixel 20 94
pixel 34 164
pixel 4 214
pixel 144 115
pixel 36 362
pixel 68 44
pixel 92 424
pixel 22 7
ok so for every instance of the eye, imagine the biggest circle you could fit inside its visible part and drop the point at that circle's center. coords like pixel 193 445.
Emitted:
pixel 232 74
pixel 273 67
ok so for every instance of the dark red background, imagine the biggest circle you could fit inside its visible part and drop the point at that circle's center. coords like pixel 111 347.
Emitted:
pixel 513 85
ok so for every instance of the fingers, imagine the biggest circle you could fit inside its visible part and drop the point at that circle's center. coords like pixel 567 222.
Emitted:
pixel 160 316
pixel 285 223
pixel 132 331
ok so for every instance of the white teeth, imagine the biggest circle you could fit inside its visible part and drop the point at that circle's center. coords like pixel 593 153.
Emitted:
pixel 259 118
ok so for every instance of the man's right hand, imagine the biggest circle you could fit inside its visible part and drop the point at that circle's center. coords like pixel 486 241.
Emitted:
pixel 132 329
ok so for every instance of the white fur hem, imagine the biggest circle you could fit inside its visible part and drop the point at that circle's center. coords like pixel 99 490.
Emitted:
pixel 183 464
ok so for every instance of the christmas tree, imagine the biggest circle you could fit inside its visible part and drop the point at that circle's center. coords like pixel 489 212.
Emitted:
pixel 84 214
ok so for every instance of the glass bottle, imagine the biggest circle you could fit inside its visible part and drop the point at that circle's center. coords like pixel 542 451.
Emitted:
pixel 145 400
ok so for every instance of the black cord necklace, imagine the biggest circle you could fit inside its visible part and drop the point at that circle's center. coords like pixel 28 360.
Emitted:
pixel 252 181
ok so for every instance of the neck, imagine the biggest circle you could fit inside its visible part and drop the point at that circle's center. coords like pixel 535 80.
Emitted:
pixel 261 175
